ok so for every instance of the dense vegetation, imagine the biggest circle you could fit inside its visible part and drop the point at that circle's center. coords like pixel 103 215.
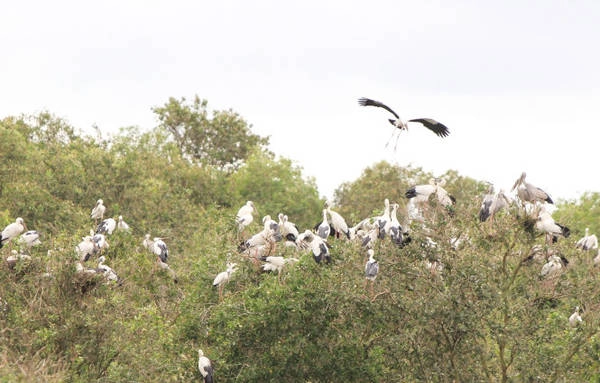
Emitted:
pixel 487 316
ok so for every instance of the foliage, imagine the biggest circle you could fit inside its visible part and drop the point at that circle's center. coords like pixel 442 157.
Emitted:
pixel 487 315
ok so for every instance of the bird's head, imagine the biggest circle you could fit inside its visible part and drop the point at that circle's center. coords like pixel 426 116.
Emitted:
pixel 200 353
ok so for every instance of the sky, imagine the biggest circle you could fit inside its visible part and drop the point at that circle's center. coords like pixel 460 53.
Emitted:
pixel 516 82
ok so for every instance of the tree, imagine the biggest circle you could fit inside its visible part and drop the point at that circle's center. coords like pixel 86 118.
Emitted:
pixel 223 141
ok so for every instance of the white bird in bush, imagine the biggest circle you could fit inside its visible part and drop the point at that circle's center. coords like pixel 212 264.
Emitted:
pixel 159 248
pixel 107 226
pixel 98 211
pixel 30 238
pixel 122 225
pixel 205 367
pixel 86 248
pixel 108 272
pixel 553 267
pixel 546 224
pixel 323 228
pixel 384 221
pixel 338 223
pixel 223 277
pixel 316 244
pixel 276 263
pixel 588 242
pixel 371 269
pixel 529 193
pixel 575 318
pixel 289 230
pixel 244 216
pixel 12 231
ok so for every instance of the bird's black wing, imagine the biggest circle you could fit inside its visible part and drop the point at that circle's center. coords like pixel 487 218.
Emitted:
pixel 433 125
pixel 368 102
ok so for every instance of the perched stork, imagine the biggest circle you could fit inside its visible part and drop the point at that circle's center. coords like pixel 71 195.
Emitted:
pixel 323 228
pixel 588 242
pixel 528 192
pixel 244 216
pixel 553 267
pixel 107 226
pixel 86 248
pixel 396 231
pixel 223 277
pixel 384 221
pixel 276 263
pixel 122 225
pixel 100 240
pixel 148 243
pixel 270 234
pixel 107 271
pixel 338 223
pixel 159 248
pixel 575 318
pixel 30 238
pixel 82 269
pixel 316 244
pixel 98 211
pixel 205 367
pixel 421 193
pixel 492 204
pixel 289 230
pixel 437 127
pixel 371 270
pixel 546 224
pixel 12 231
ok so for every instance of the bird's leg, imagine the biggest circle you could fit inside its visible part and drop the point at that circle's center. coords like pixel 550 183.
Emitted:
pixel 390 139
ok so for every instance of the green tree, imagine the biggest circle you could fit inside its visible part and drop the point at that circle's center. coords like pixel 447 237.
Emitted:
pixel 223 140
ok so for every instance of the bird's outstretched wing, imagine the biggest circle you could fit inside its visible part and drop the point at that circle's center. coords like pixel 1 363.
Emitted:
pixel 433 125
pixel 368 102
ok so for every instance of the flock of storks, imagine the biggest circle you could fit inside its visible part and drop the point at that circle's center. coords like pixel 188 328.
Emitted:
pixel 260 247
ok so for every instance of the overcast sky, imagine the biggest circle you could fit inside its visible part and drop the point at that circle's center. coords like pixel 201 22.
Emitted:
pixel 516 82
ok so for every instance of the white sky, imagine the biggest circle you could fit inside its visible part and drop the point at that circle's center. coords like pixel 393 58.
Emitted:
pixel 516 82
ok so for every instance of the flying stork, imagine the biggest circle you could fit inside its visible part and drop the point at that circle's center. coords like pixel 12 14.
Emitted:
pixel 436 127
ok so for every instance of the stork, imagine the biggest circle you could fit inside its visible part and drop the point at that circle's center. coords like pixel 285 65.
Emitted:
pixel 553 266
pixel 588 242
pixel 436 127
pixel 86 248
pixel 266 237
pixel 492 204
pixel 98 211
pixel 16 257
pixel 575 318
pixel 159 248
pixel 107 226
pixel 371 270
pixel 107 271
pixel 30 238
pixel 122 225
pixel 323 228
pixel 205 367
pixel 396 231
pixel 546 224
pixel 289 230
pixel 338 222
pixel 244 216
pixel 316 244
pixel 384 221
pixel 12 231
pixel 529 193
pixel 223 277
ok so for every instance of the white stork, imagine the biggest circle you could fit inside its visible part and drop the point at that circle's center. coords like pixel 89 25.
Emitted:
pixel 12 231
pixel 421 193
pixel 588 242
pixel 107 226
pixel 553 267
pixel 323 228
pixel 289 230
pixel 159 248
pixel 528 192
pixel 546 224
pixel 122 225
pixel 575 318
pixel 100 240
pixel 98 211
pixel 384 221
pixel 82 269
pixel 492 204
pixel 223 277
pixel 316 244
pixel 107 271
pixel 436 127
pixel 266 237
pixel 371 270
pixel 205 367
pixel 244 216
pixel 338 222
pixel 30 238
pixel 86 248
pixel 276 263
pixel 396 231
pixel 148 243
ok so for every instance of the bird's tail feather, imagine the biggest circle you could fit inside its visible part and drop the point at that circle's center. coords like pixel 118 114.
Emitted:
pixel 411 193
